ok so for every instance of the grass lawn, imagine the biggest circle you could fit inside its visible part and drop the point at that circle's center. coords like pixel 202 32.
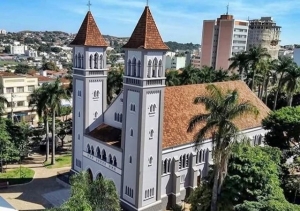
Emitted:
pixel 61 161
pixel 2 63
pixel 15 176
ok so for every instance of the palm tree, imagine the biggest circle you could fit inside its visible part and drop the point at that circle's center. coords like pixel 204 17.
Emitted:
pixel 291 82
pixel 282 65
pixel 172 78
pixel 240 61
pixel 189 75
pixel 38 101
pixel 206 74
pixel 3 102
pixel 254 56
pixel 223 108
pixel 57 93
pixel 221 75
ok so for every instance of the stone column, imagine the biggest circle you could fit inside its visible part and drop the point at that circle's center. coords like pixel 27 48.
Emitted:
pixel 175 178
pixel 193 173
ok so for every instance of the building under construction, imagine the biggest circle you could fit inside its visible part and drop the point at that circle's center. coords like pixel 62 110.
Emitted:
pixel 266 33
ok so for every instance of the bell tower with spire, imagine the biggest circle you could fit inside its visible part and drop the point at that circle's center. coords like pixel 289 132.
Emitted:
pixel 143 101
pixel 89 83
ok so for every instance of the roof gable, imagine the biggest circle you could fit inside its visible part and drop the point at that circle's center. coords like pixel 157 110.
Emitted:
pixel 146 34
pixel 179 109
pixel 89 33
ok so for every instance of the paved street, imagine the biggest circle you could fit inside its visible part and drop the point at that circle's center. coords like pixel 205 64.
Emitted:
pixel 30 196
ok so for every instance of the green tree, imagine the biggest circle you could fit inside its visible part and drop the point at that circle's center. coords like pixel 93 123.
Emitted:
pixel 64 112
pixel 64 129
pixel 87 195
pixel 223 108
pixel 239 61
pixel 221 75
pixel 7 149
pixel 6 49
pixel 57 93
pixel 56 49
pixel 172 78
pixel 254 56
pixel 50 66
pixel 291 82
pixel 39 102
pixel 22 69
pixel 283 126
pixel 189 75
pixel 114 83
pixel 281 67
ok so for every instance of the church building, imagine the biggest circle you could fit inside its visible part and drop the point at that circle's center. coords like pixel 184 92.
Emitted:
pixel 140 141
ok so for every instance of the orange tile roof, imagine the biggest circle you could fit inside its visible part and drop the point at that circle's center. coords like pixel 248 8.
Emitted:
pixel 44 79
pixel 146 34
pixel 179 109
pixel 89 33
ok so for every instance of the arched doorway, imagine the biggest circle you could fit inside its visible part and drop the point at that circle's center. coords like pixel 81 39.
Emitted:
pixel 89 171
pixel 199 178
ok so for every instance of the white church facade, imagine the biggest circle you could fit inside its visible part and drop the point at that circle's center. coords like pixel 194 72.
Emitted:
pixel 140 141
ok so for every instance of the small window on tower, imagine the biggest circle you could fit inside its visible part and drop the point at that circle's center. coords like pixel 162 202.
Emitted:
pixel 130 159
pixel 150 161
pixel 132 107
pixel 96 114
pixel 131 132
pixel 151 134
pixel 79 114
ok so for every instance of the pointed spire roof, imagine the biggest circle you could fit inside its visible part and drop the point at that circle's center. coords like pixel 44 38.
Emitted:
pixel 146 34
pixel 89 33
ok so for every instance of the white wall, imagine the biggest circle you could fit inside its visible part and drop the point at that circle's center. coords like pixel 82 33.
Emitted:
pixel 150 148
pixel 95 103
pixel 78 139
pixel 131 143
pixel 135 54
pixel 115 107
pixel 297 56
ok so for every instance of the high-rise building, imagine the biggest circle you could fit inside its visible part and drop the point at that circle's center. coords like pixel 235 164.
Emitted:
pixel 221 39
pixel 266 33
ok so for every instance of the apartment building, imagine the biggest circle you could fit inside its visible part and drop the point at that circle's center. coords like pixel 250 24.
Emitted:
pixel 266 33
pixel 17 89
pixel 296 55
pixel 196 61
pixel 221 39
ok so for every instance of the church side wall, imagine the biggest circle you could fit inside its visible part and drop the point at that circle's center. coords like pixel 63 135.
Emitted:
pixel 115 108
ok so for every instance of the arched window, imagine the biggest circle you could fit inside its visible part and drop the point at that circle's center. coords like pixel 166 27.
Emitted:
pixel 129 67
pixel 121 117
pixel 203 155
pixel 139 74
pixel 150 160
pixel 96 60
pixel 149 69
pixel 115 161
pixel 79 114
pixel 96 114
pixel 79 60
pixel 95 94
pixel 81 66
pixel 98 152
pixel 110 159
pixel 154 68
pixel 99 176
pixel 133 67
pixel 103 155
pixel 160 69
pixel 165 166
pixel 91 61
pixel 98 94
pixel 151 133
pixel 130 159
pixel 76 61
pixel 169 166
pixel 180 162
pixel 88 149
pixel 92 150
pixel 101 62
pixel 187 161
pixel 131 132
pixel 78 136
pixel 116 116
pixel 151 108
pixel 183 161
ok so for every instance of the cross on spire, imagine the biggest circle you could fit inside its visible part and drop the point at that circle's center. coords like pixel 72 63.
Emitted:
pixel 147 3
pixel 227 9
pixel 89 5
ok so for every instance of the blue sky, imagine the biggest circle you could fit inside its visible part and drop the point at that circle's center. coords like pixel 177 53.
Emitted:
pixel 177 20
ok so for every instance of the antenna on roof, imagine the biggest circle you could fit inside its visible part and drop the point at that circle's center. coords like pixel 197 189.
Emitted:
pixel 89 5
pixel 227 9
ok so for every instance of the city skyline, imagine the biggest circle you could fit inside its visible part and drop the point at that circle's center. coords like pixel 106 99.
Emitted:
pixel 118 18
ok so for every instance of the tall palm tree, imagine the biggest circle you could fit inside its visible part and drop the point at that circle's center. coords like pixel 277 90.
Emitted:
pixel 57 93
pixel 221 75
pixel 254 56
pixel 38 101
pixel 291 82
pixel 223 108
pixel 206 74
pixel 172 78
pixel 239 61
pixel 282 65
